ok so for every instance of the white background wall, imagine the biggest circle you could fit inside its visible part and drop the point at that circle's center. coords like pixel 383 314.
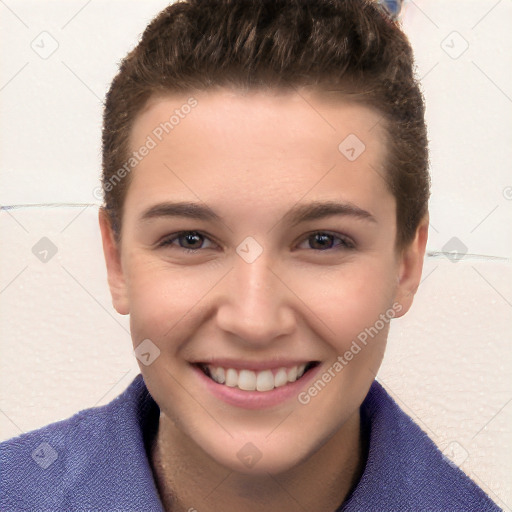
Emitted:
pixel 63 347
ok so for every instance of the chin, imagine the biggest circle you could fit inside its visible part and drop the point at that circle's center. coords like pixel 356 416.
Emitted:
pixel 258 457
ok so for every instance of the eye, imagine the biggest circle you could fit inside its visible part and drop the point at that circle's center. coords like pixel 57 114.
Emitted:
pixel 322 241
pixel 190 241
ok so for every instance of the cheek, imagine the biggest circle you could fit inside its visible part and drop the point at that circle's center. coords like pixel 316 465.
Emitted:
pixel 349 300
pixel 162 297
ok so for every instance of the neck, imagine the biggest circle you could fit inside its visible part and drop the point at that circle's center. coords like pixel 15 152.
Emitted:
pixel 188 479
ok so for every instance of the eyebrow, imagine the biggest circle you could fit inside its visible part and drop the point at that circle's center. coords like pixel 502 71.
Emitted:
pixel 297 214
pixel 320 209
pixel 180 209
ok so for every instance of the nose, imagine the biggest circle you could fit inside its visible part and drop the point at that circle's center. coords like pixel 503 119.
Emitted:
pixel 255 304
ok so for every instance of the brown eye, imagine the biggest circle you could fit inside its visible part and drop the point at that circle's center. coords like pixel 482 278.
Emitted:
pixel 322 241
pixel 191 240
pixel 187 240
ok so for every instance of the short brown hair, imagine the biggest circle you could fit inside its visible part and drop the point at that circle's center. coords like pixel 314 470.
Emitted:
pixel 351 45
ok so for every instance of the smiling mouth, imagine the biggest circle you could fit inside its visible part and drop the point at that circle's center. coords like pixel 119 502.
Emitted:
pixel 249 380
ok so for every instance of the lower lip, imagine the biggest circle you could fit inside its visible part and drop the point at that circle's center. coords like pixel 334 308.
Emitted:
pixel 256 399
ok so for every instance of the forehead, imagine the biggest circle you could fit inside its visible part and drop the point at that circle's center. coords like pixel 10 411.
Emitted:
pixel 226 144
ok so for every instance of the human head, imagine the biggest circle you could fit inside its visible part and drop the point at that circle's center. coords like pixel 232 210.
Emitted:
pixel 350 46
pixel 246 156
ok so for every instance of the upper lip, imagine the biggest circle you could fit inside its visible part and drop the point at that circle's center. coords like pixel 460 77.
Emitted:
pixel 240 364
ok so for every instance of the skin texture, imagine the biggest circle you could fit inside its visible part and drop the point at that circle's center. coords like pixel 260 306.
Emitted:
pixel 251 157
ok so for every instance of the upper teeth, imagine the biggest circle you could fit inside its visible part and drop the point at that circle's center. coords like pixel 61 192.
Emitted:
pixel 249 380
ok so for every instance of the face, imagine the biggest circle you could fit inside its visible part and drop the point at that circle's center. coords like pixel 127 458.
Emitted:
pixel 258 257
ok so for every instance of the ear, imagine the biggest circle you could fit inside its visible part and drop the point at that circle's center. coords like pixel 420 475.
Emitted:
pixel 411 266
pixel 112 252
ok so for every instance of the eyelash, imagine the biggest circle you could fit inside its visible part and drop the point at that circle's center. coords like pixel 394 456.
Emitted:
pixel 346 243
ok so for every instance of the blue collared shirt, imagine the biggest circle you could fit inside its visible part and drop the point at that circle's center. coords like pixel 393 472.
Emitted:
pixel 97 461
